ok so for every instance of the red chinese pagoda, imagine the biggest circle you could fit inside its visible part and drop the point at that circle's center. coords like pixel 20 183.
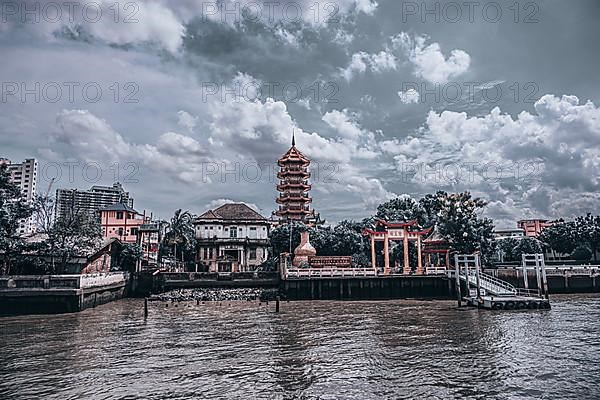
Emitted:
pixel 294 200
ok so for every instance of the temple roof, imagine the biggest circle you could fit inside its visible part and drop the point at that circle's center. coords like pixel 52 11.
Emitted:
pixel 294 155
pixel 396 224
pixel 435 237
pixel 232 211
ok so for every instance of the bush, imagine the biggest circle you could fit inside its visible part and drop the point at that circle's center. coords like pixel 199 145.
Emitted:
pixel 581 253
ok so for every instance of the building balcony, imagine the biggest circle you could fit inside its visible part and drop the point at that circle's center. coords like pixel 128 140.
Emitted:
pixel 287 198
pixel 294 209
pixel 285 172
pixel 229 240
pixel 303 185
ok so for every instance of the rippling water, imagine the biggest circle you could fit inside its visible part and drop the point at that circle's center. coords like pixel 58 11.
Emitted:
pixel 311 350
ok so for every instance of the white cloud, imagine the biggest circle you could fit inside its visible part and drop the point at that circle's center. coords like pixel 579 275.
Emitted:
pixel 115 23
pixel 92 139
pixel 343 123
pixel 411 96
pixel 377 62
pixel 541 157
pixel 187 120
pixel 429 61
pixel 366 6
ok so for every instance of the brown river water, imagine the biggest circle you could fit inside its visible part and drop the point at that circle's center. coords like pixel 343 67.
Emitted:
pixel 310 350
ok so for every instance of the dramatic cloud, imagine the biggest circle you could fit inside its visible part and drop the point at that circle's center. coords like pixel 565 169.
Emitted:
pixel 557 148
pixel 429 61
pixel 92 139
pixel 361 61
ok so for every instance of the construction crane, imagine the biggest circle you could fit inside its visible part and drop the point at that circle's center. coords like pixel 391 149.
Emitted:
pixel 49 188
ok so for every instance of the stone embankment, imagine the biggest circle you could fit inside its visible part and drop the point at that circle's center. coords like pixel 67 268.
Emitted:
pixel 217 294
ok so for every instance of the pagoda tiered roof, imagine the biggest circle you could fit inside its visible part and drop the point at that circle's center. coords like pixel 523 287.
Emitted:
pixel 293 156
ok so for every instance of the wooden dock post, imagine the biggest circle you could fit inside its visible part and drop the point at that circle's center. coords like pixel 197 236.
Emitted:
pixel 457 275
pixel 277 304
pixel 145 307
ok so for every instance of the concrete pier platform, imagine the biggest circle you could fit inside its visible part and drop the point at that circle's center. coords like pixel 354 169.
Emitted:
pixel 508 302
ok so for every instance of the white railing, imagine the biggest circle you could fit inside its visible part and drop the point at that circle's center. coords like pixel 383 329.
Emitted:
pixel 435 271
pixel 487 282
pixel 329 272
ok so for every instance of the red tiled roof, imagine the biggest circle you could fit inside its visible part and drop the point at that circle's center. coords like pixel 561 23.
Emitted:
pixel 232 211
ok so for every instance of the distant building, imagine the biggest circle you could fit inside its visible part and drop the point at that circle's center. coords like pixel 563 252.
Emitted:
pixel 24 175
pixel 533 227
pixel 92 200
pixel 294 199
pixel 151 234
pixel 232 238
pixel 500 234
pixel 122 222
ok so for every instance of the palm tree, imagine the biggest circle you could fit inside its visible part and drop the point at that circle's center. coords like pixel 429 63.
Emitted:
pixel 181 232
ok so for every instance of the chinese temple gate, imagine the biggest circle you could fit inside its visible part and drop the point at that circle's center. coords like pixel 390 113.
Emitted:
pixel 397 231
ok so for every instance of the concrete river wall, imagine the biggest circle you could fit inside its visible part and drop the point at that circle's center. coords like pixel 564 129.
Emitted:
pixel 53 294
pixel 368 288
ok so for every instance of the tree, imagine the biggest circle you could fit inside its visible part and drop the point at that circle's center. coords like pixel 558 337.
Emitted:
pixel 13 210
pixel 581 253
pixel 402 208
pixel 587 232
pixel 507 246
pixel 181 236
pixel 77 232
pixel 561 237
pixel 456 215
pixel 127 257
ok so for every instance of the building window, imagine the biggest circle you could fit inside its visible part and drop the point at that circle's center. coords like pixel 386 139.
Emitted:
pixel 120 231
pixel 134 231
pixel 206 253
pixel 119 214
pixel 233 232
pixel 252 255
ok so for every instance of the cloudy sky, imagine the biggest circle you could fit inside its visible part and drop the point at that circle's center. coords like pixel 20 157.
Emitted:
pixel 190 103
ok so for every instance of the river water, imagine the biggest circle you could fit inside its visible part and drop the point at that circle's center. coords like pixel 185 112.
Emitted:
pixel 310 350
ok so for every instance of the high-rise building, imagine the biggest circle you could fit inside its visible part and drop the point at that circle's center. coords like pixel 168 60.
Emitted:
pixel 294 199
pixel 24 175
pixel 90 201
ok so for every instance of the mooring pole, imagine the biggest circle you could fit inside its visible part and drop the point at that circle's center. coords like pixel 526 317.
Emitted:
pixel 525 276
pixel 477 266
pixel 544 277
pixel 457 276
pixel 277 304
pixel 145 307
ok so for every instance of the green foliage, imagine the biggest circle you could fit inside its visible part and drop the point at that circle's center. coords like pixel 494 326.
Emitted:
pixel 343 239
pixel 13 208
pixel 581 253
pixel 514 248
pixel 180 238
pixel 455 214
pixel 73 234
pixel 127 257
pixel 402 208
pixel 561 237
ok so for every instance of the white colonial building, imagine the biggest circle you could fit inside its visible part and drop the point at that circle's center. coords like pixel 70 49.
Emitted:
pixel 231 238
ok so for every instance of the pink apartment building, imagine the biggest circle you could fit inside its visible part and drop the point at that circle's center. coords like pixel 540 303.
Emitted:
pixel 122 222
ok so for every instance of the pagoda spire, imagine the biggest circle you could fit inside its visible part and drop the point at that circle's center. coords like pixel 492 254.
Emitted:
pixel 293 137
